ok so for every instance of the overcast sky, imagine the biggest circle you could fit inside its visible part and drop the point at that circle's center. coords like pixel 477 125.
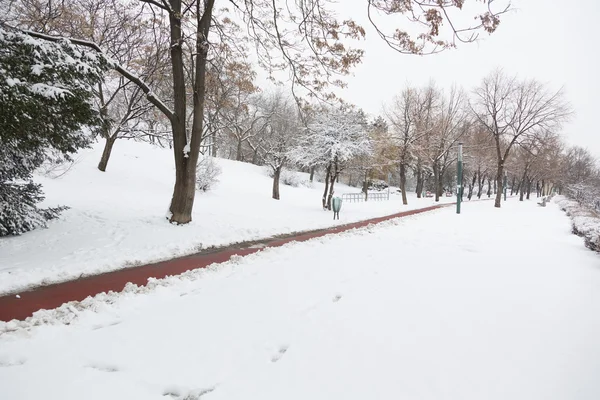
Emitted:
pixel 553 41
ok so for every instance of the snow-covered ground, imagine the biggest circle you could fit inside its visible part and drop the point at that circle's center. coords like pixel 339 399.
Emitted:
pixel 117 218
pixel 490 304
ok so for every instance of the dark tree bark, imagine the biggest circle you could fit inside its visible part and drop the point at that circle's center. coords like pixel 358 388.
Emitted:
pixel 489 189
pixel 498 181
pixel 521 186
pixel 327 175
pixel 334 175
pixel 529 184
pixel 276 175
pixel 213 147
pixel 403 183
pixel 471 186
pixel 512 186
pixel 419 188
pixel 480 182
pixel 108 145
pixel 436 181
pixel 312 173
pixel 239 152
pixel 419 174
pixel 365 188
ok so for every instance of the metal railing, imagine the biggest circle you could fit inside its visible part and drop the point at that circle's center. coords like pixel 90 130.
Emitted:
pixel 358 197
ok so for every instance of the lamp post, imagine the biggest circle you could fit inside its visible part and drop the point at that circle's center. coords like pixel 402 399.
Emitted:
pixel 459 173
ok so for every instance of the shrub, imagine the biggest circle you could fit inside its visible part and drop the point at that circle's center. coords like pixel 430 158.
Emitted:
pixel 584 221
pixel 207 172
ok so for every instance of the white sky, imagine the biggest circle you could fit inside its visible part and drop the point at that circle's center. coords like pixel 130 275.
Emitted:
pixel 550 40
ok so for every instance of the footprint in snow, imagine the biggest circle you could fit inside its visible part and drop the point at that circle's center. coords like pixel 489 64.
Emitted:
pixel 336 298
pixel 279 354
pixel 96 327
pixel 11 363
pixel 104 368
pixel 188 395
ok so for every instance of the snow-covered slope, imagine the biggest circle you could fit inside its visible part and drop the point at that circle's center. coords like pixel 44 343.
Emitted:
pixel 117 218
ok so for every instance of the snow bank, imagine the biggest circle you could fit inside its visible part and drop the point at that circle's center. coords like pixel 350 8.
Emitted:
pixel 586 222
pixel 117 218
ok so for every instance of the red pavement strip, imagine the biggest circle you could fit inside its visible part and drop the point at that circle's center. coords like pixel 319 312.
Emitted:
pixel 52 296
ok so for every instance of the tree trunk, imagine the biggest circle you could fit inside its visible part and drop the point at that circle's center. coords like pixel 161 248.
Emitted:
pixel 512 186
pixel 213 147
pixel 108 145
pixel 522 191
pixel 327 174
pixel 403 183
pixel 519 185
pixel 498 181
pixel 522 185
pixel 480 182
pixel 312 174
pixel 239 154
pixel 471 186
pixel 529 184
pixel 365 188
pixel 436 180
pixel 276 175
pixel 489 188
pixel 182 202
pixel 335 176
pixel 419 188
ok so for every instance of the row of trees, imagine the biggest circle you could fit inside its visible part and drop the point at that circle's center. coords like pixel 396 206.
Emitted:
pixel 506 124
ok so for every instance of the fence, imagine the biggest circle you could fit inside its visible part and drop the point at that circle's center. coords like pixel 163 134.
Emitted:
pixel 358 197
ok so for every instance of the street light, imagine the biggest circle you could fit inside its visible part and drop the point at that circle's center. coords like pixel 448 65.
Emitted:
pixel 459 174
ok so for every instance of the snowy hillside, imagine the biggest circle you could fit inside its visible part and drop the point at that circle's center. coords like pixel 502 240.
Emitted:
pixel 117 217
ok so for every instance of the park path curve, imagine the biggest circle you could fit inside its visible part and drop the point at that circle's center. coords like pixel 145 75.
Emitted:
pixel 23 305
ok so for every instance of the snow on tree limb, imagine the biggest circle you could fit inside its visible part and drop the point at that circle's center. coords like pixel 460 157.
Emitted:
pixel 150 95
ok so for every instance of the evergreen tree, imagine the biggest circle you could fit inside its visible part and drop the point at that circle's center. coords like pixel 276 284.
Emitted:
pixel 45 105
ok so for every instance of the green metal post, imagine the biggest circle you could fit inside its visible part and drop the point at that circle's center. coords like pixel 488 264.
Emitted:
pixel 459 178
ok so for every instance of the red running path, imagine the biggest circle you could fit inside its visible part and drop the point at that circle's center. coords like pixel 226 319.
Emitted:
pixel 52 296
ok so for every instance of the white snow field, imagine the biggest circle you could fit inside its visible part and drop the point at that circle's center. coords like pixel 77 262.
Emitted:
pixel 490 304
pixel 117 218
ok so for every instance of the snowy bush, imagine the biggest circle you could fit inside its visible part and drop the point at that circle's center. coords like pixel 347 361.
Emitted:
pixel 207 172
pixel 377 184
pixel 288 178
pixel 18 211
pixel 585 222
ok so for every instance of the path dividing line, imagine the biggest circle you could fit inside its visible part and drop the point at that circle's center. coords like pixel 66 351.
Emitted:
pixel 52 296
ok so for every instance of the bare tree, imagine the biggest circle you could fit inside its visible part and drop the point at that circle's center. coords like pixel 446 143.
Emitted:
pixel 403 116
pixel 450 125
pixel 514 110
pixel 478 158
